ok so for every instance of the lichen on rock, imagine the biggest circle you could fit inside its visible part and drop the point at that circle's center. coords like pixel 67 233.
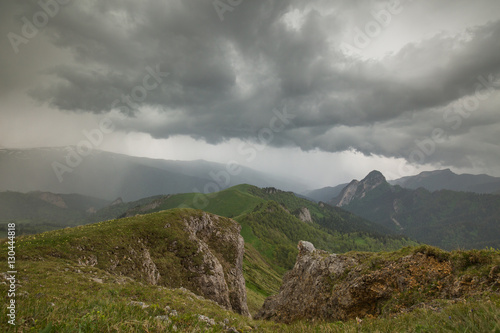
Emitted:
pixel 333 287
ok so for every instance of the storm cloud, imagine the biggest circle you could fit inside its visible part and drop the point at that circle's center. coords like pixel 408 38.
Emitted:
pixel 220 70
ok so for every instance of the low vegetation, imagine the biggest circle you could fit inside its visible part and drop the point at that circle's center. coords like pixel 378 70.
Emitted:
pixel 59 295
pixel 56 292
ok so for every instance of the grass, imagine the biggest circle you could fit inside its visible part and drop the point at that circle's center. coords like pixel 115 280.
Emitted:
pixel 60 296
pixel 57 294
pixel 260 278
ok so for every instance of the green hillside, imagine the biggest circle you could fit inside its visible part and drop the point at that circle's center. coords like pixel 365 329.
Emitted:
pixel 270 223
pixel 271 230
pixel 36 212
pixel 275 232
pixel 61 289
pixel 448 219
pixel 270 226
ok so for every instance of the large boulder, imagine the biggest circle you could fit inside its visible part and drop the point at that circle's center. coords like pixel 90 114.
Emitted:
pixel 335 287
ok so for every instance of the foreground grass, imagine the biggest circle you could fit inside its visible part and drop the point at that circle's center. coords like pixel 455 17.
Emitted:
pixel 54 293
pixel 59 296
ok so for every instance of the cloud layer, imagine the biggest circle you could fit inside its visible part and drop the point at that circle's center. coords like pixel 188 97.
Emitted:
pixel 175 68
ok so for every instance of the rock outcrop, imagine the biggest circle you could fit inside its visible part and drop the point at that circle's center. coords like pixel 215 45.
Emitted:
pixel 359 189
pixel 335 287
pixel 304 214
pixel 220 247
pixel 53 199
pixel 117 201
pixel 186 248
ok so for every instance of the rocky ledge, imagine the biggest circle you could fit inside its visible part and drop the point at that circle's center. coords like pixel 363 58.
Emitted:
pixel 199 251
pixel 335 287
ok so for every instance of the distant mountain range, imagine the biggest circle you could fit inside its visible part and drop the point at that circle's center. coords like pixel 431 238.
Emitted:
pixel 448 180
pixel 109 175
pixel 448 219
pixel 326 193
pixel 430 180
pixel 36 212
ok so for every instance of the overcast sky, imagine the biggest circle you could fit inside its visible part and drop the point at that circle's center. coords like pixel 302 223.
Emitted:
pixel 320 90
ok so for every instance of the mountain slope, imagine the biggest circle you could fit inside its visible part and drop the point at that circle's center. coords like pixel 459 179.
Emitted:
pixel 178 248
pixel 325 194
pixel 271 219
pixel 447 219
pixel 108 175
pixel 41 211
pixel 65 284
pixel 448 180
pixel 36 212
pixel 272 222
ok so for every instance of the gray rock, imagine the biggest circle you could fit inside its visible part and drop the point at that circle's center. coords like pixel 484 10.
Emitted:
pixel 331 287
pixel 225 288
pixel 163 318
pixel 304 215
pixel 306 247
pixel 141 304
pixel 205 319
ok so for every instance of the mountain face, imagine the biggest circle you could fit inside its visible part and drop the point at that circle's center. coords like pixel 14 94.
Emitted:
pixel 358 189
pixel 109 176
pixel 447 219
pixel 331 287
pixel 186 248
pixel 447 180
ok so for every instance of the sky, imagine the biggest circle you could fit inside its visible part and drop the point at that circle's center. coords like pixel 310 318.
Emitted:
pixel 323 91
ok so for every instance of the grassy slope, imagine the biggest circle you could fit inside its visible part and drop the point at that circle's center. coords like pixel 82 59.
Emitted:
pixel 114 240
pixel 271 231
pixel 57 293
pixel 271 236
pixel 275 234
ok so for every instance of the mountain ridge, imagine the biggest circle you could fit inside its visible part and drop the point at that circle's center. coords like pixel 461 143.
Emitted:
pixel 444 218
pixel 448 180
pixel 110 175
pixel 435 180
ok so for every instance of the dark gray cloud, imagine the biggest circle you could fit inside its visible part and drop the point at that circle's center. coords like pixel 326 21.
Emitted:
pixel 226 77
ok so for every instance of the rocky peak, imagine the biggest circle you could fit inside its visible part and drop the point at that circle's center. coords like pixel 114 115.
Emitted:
pixel 359 189
pixel 305 248
pixel 271 190
pixel 374 178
